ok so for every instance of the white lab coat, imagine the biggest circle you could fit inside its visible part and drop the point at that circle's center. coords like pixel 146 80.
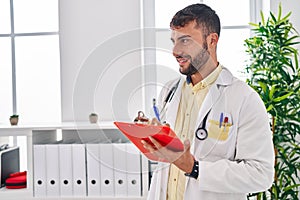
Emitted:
pixel 230 168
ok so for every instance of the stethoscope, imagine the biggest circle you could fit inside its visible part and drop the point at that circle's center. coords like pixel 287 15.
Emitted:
pixel 201 132
pixel 168 99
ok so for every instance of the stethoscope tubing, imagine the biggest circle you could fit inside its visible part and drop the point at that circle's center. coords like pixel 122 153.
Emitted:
pixel 168 99
pixel 201 132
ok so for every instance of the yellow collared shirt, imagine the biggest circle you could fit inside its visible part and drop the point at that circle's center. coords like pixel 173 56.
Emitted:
pixel 190 103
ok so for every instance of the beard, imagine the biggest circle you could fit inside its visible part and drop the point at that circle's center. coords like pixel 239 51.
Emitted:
pixel 197 62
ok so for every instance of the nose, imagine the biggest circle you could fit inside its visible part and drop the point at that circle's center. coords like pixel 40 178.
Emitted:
pixel 177 51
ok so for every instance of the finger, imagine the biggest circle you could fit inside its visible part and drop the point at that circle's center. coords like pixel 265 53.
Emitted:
pixel 155 122
pixel 187 145
pixel 167 124
pixel 161 152
pixel 148 146
pixel 155 142
pixel 152 150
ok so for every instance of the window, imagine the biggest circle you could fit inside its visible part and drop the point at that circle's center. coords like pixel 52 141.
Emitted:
pixel 4 16
pixel 231 12
pixel 35 16
pixel 165 10
pixel 38 92
pixel 29 61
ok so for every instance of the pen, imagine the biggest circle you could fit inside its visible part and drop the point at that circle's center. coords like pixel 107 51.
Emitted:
pixel 156 112
pixel 225 122
pixel 221 120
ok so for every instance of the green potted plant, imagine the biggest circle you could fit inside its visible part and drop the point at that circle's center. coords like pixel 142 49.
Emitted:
pixel 93 118
pixel 274 73
pixel 14 119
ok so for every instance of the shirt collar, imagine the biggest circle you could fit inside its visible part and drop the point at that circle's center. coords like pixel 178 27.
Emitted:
pixel 210 79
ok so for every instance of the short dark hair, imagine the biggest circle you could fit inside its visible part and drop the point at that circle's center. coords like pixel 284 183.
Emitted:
pixel 205 17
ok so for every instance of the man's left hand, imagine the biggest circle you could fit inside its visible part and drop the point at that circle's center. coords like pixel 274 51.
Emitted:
pixel 184 160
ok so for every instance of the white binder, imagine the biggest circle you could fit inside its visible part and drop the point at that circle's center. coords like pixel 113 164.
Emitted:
pixel 39 168
pixel 120 171
pixel 66 169
pixel 107 175
pixel 79 170
pixel 133 171
pixel 93 169
pixel 52 170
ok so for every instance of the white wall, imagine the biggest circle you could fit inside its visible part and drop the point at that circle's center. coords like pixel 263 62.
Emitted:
pixel 100 58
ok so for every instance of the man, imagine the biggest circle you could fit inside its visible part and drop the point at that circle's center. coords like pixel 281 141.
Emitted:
pixel 228 150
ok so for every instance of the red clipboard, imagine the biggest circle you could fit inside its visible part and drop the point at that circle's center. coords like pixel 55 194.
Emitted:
pixel 163 134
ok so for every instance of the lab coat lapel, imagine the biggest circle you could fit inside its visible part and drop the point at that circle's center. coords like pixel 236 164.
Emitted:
pixel 212 97
pixel 173 106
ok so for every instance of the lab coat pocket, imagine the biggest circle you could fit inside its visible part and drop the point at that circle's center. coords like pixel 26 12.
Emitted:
pixel 217 131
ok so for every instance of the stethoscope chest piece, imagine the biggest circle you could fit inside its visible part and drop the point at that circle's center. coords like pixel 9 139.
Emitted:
pixel 201 133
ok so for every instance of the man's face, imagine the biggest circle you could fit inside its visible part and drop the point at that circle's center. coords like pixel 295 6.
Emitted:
pixel 190 49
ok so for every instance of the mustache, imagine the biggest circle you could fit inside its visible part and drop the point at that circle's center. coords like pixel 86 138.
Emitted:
pixel 183 56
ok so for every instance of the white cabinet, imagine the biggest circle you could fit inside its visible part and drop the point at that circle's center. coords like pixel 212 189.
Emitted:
pixel 16 132
pixel 104 132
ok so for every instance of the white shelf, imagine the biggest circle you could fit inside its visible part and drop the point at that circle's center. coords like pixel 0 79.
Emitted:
pixel 72 198
pixel 87 125
pixel 64 126
pixel 15 131
pixel 29 130
pixel 27 194
pixel 24 193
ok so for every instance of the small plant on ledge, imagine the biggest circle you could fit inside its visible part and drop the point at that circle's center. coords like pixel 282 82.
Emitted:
pixel 14 119
pixel 93 118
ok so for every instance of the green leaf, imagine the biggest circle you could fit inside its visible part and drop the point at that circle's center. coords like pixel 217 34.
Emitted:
pixel 273 18
pixel 289 40
pixel 296 59
pixel 272 90
pixel 254 25
pixel 278 99
pixel 263 86
pixel 270 107
pixel 279 12
pixel 262 18
pixel 286 17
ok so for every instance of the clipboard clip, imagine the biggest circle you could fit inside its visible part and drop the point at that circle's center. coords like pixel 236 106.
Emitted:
pixel 141 118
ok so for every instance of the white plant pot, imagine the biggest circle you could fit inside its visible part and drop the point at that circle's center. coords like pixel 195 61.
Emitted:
pixel 93 119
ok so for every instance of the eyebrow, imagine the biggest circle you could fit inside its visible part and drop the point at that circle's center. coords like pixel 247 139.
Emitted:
pixel 181 37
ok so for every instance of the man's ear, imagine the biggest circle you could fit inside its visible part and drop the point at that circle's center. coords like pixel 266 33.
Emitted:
pixel 212 40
